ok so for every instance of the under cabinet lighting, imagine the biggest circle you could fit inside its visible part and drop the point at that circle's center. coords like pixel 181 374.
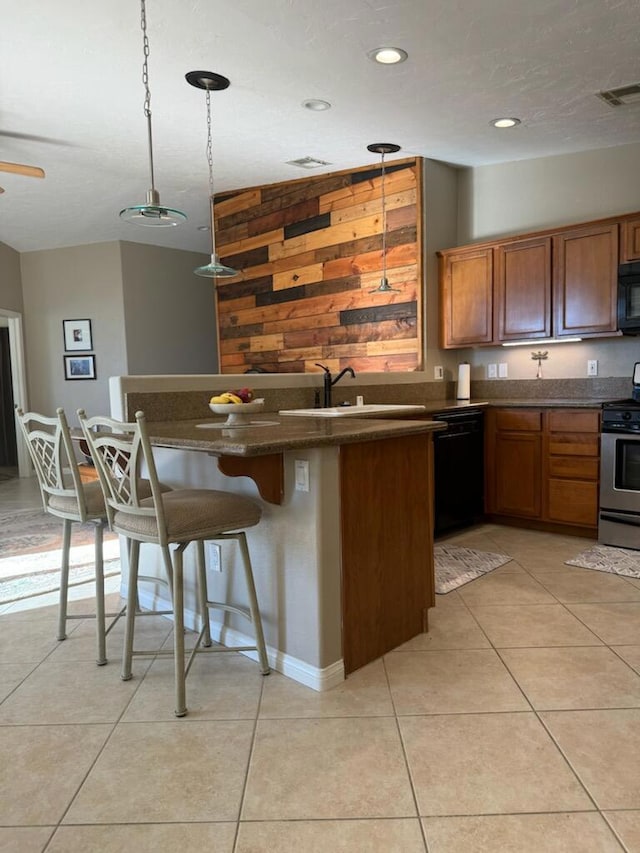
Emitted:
pixel 539 341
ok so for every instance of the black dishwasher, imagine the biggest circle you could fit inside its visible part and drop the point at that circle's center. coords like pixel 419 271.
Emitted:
pixel 458 470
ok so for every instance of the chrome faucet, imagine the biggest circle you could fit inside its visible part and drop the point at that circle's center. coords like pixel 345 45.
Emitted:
pixel 330 381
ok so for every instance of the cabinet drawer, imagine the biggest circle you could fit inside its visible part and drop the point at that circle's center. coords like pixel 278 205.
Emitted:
pixel 571 420
pixel 577 467
pixel 573 445
pixel 517 419
pixel 573 502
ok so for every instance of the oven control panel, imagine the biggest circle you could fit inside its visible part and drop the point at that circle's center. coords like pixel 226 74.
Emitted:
pixel 621 420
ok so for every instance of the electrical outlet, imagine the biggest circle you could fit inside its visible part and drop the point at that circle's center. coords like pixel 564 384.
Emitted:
pixel 502 370
pixel 438 372
pixel 492 371
pixel 302 475
pixel 592 367
pixel 215 556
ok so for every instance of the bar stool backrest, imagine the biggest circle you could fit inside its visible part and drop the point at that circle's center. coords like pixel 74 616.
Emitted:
pixel 51 448
pixel 121 451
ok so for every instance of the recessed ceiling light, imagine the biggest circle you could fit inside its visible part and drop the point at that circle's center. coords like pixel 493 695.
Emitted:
pixel 505 122
pixel 387 55
pixel 316 105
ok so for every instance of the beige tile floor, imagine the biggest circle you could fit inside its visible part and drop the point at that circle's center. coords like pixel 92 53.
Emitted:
pixel 513 725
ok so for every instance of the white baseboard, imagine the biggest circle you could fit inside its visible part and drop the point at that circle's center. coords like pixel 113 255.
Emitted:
pixel 298 670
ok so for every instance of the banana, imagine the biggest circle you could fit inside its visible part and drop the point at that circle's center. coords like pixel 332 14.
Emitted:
pixel 227 397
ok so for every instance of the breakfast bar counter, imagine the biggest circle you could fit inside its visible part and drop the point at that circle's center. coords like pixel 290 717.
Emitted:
pixel 343 555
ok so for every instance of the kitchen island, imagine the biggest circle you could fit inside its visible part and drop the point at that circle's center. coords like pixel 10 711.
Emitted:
pixel 343 556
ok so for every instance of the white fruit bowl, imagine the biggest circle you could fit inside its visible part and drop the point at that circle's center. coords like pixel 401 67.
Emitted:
pixel 237 413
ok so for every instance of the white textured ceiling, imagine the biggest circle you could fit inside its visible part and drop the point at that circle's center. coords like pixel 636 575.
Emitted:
pixel 70 70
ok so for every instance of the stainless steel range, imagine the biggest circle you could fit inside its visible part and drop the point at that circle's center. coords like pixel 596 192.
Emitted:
pixel 619 514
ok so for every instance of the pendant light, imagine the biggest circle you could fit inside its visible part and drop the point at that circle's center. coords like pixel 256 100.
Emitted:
pixel 211 82
pixel 152 213
pixel 383 148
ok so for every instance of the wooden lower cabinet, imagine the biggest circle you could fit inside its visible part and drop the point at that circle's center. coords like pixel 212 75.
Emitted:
pixel 543 465
pixel 386 493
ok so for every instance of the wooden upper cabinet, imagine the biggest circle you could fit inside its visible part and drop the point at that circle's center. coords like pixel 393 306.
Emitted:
pixel 630 240
pixel 585 271
pixel 466 297
pixel 523 290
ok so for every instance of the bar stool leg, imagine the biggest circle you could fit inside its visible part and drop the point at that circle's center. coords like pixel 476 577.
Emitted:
pixel 253 605
pixel 100 609
pixel 130 618
pixel 64 579
pixel 202 593
pixel 178 632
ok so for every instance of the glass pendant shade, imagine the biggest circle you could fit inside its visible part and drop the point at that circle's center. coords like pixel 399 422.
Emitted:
pixel 152 213
pixel 215 270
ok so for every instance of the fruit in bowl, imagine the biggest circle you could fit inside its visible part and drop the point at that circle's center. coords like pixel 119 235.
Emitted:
pixel 237 405
pixel 242 395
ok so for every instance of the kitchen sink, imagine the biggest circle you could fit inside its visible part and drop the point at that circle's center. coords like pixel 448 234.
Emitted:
pixel 368 410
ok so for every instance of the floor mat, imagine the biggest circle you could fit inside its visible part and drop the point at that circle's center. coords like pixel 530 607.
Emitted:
pixel 606 558
pixel 455 566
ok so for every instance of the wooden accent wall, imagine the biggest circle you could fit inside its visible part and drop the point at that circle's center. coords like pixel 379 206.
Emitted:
pixel 309 254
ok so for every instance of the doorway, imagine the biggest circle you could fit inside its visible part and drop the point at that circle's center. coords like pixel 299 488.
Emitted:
pixel 14 454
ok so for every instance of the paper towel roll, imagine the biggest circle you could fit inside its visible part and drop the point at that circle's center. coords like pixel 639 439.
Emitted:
pixel 464 381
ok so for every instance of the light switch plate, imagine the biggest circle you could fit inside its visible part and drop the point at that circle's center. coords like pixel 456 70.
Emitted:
pixel 492 371
pixel 301 467
pixel 592 367
pixel 438 372
pixel 502 370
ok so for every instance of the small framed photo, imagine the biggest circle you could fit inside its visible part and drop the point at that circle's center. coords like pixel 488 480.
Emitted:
pixel 79 366
pixel 77 335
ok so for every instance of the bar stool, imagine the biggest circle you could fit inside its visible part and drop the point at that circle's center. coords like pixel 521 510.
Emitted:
pixel 65 496
pixel 175 518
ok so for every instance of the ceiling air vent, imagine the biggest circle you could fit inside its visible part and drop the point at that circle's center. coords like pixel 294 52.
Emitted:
pixel 307 163
pixel 622 96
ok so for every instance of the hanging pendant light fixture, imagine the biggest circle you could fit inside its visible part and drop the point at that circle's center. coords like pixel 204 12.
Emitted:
pixel 152 213
pixel 211 82
pixel 383 148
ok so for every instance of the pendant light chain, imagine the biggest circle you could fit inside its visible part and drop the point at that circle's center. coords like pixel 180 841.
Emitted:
pixel 210 164
pixel 145 83
pixel 384 224
pixel 152 213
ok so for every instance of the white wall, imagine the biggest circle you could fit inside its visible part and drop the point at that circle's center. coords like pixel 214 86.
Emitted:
pixel 531 195
pixel 10 285
pixel 169 313
pixel 81 282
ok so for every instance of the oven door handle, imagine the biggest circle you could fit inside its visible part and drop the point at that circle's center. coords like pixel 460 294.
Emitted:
pixel 619 519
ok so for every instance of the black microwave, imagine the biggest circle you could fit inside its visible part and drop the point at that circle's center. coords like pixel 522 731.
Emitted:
pixel 629 298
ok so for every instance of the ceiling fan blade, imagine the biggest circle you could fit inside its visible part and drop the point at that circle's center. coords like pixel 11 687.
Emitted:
pixel 1 190
pixel 20 169
pixel 30 137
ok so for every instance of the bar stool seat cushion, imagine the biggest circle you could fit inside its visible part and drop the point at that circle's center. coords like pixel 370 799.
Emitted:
pixel 68 504
pixel 192 514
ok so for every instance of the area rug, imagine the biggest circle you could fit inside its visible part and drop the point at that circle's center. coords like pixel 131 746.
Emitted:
pixel 33 531
pixel 606 558
pixel 455 566
pixel 15 589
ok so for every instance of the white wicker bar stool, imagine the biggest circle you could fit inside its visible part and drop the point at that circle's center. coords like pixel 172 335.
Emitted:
pixel 65 495
pixel 175 518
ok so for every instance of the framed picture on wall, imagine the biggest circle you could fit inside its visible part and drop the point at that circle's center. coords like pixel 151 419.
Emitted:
pixel 79 366
pixel 77 335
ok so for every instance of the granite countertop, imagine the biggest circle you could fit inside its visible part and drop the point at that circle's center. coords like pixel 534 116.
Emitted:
pixel 435 406
pixel 270 433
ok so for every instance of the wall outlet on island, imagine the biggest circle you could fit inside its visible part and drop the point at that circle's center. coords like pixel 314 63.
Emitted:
pixel 215 556
pixel 302 475
pixel 492 371
pixel 592 367
pixel 438 372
